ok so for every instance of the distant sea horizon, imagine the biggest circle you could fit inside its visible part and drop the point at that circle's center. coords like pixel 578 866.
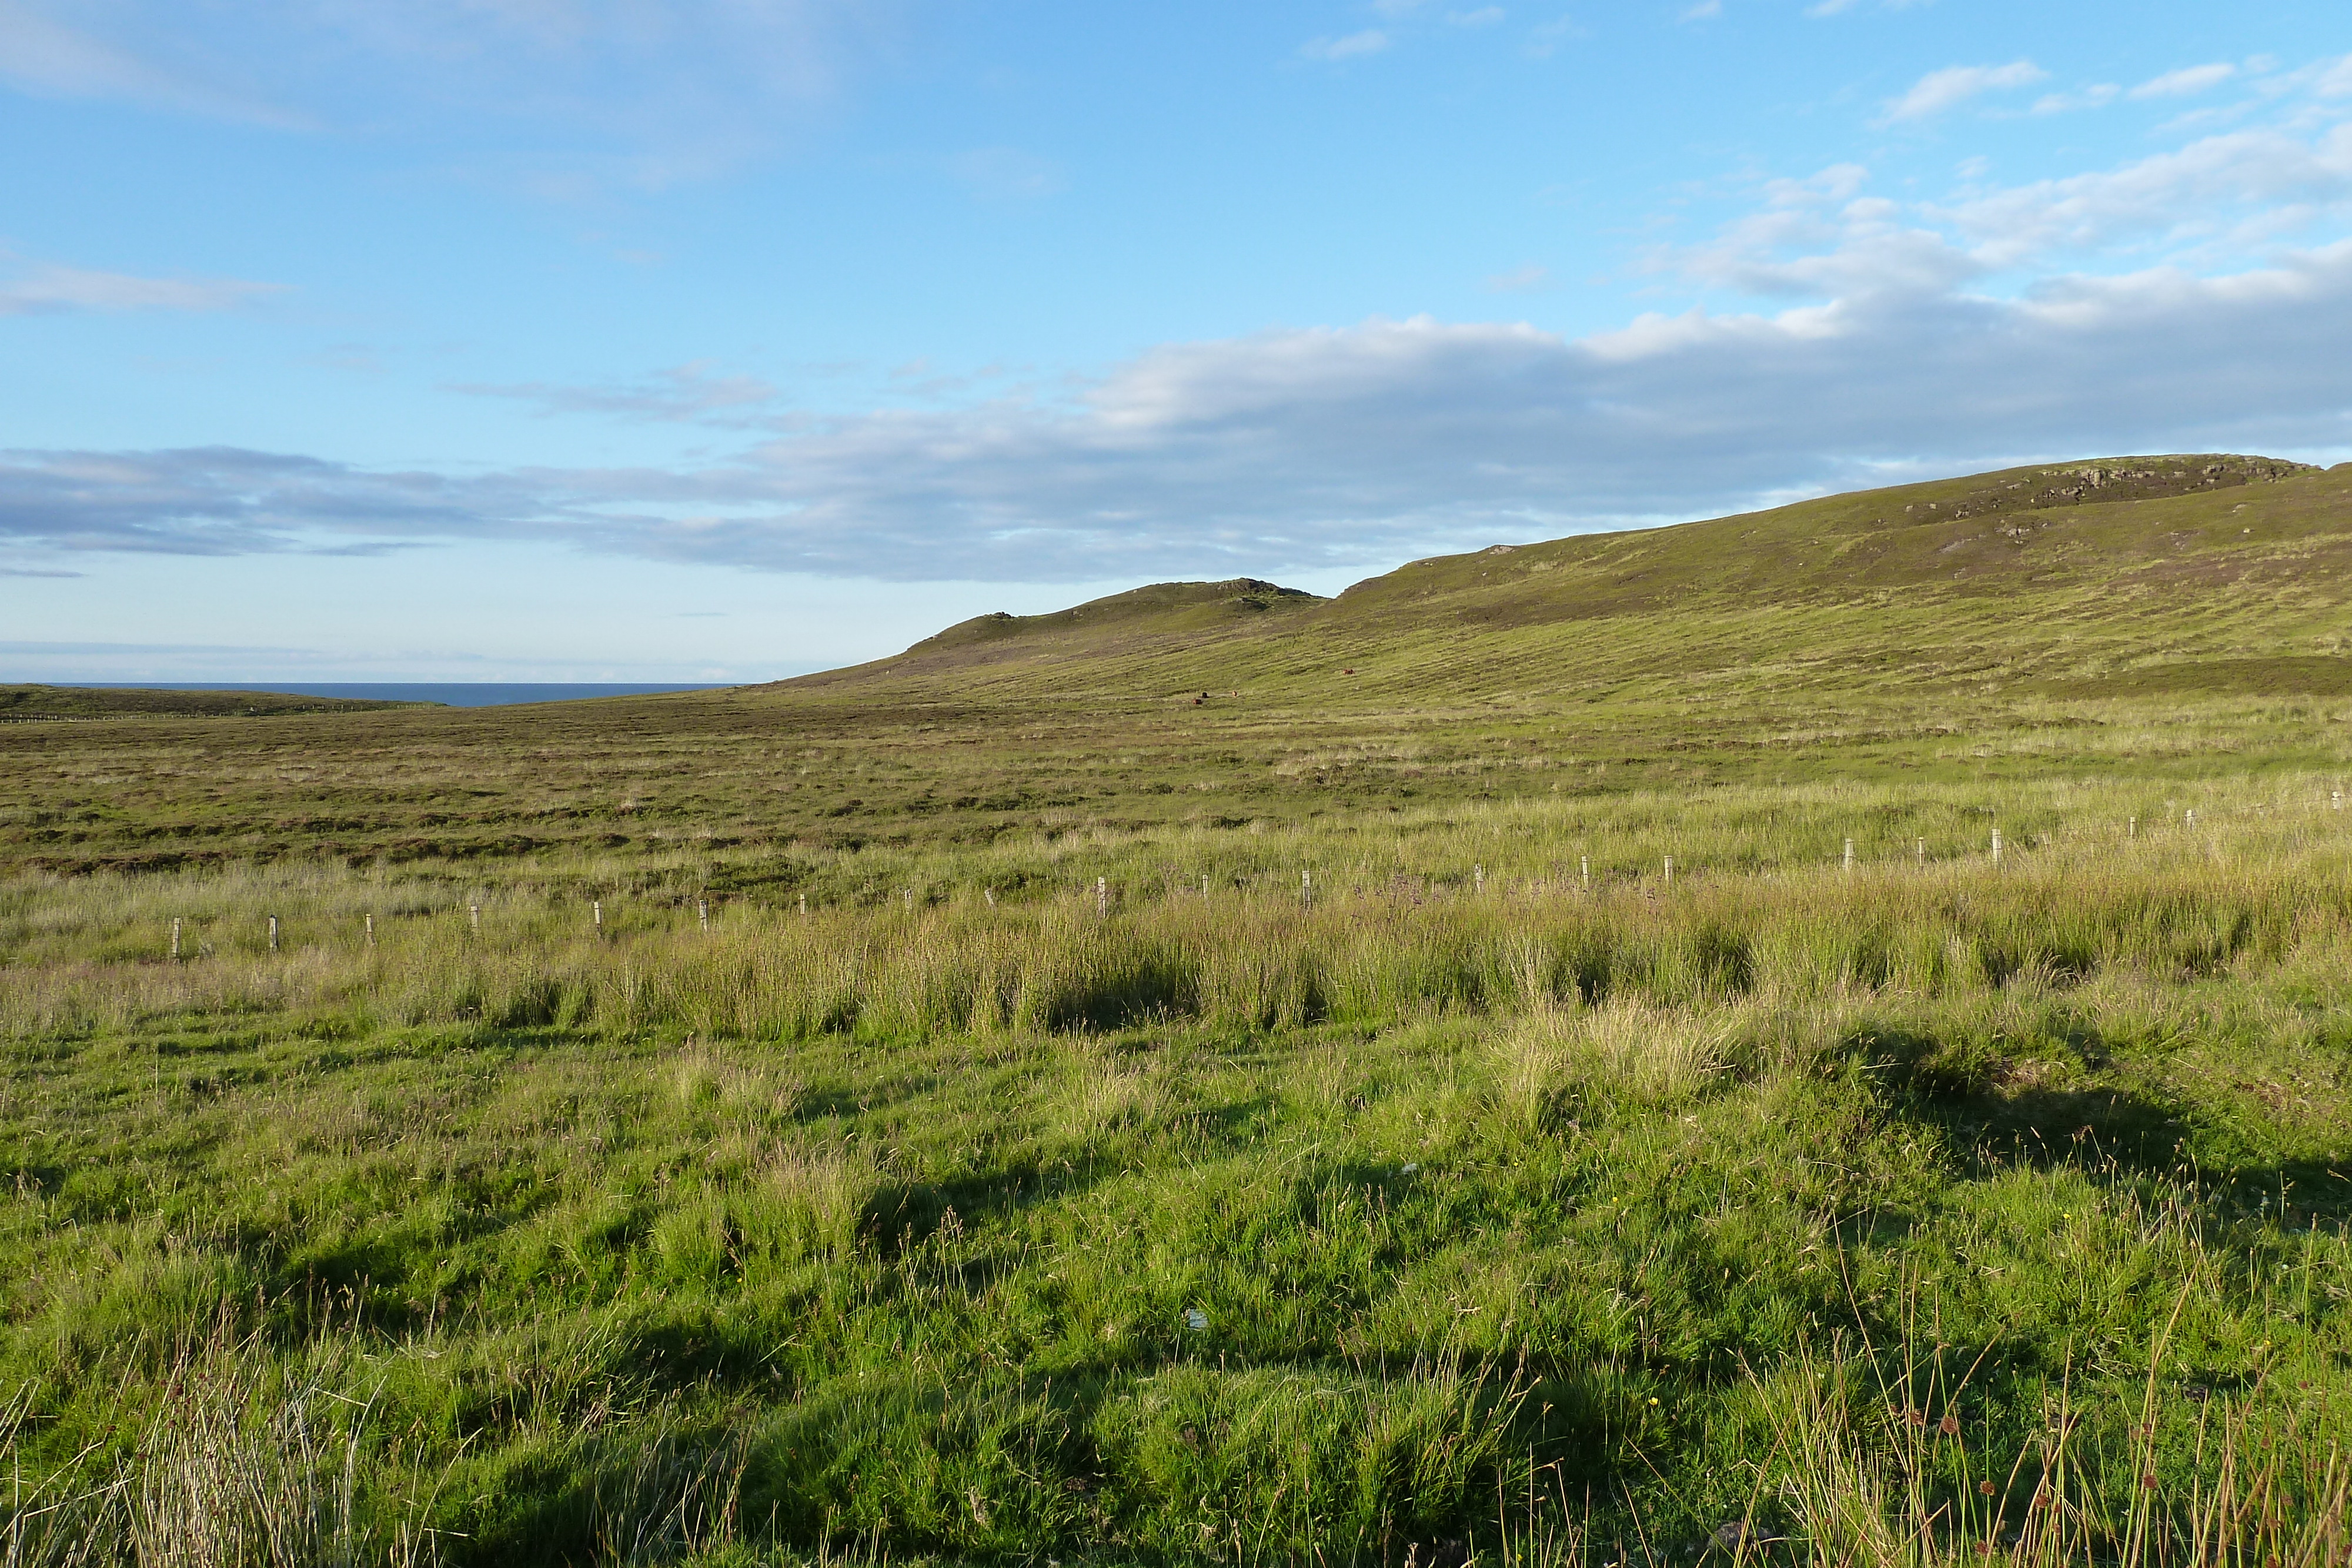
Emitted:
pixel 454 693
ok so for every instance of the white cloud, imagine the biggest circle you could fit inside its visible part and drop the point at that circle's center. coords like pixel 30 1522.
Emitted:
pixel 42 290
pixel 1338 446
pixel 2183 82
pixel 1938 91
pixel 1703 11
pixel 2205 190
pixel 1483 16
pixel 2098 95
pixel 1371 41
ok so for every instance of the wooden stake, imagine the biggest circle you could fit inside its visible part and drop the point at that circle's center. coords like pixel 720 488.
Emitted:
pixel 273 933
pixel 2132 831
pixel 1305 887
pixel 1102 896
pixel 175 936
pixel 2336 801
pixel 1923 851
pixel 1849 857
pixel 1478 878
pixel 702 912
pixel 1996 846
pixel 804 907
pixel 1670 871
pixel 367 924
pixel 989 893
pixel 599 908
pixel 1586 862
pixel 1205 884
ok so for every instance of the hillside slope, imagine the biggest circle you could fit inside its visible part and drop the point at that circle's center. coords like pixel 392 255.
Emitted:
pixel 2196 572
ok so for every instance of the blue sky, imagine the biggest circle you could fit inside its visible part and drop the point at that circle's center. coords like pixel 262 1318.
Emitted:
pixel 625 339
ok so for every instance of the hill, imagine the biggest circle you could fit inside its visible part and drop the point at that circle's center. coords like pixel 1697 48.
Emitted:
pixel 2205 572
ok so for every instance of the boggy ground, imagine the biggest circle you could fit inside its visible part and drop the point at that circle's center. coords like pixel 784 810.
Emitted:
pixel 1028 1202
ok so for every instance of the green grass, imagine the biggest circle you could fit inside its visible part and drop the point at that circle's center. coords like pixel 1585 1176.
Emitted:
pixel 1309 1127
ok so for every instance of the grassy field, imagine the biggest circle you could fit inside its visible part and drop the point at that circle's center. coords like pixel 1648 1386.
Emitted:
pixel 1542 1075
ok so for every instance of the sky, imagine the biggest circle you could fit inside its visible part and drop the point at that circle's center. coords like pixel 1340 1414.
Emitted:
pixel 721 340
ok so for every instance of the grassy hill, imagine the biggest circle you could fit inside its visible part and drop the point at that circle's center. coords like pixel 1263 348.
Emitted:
pixel 2203 573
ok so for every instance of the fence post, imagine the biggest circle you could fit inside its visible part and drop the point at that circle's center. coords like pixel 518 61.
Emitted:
pixel 1585 863
pixel 474 917
pixel 273 933
pixel 989 893
pixel 1923 851
pixel 1670 871
pixel 599 909
pixel 1996 846
pixel 2132 831
pixel 367 925
pixel 1478 878
pixel 1305 887
pixel 1102 896
pixel 175 936
pixel 702 912
pixel 1205 884
pixel 804 907
pixel 1849 857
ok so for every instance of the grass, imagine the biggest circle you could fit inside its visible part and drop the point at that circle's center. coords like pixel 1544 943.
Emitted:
pixel 1146 1132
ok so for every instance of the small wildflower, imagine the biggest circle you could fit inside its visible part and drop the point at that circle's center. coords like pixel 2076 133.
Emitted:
pixel 1653 1399
pixel 1984 1488
pixel 2148 1480
pixel 1949 1426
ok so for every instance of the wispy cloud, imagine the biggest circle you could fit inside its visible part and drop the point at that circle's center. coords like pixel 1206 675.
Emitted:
pixel 2185 81
pixel 697 391
pixel 2098 95
pixel 1939 91
pixel 47 289
pixel 1371 41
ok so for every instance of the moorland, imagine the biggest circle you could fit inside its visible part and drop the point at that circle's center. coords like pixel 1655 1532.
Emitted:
pixel 1817 1036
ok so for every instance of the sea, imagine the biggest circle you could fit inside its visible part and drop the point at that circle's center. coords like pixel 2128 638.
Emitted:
pixel 456 694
